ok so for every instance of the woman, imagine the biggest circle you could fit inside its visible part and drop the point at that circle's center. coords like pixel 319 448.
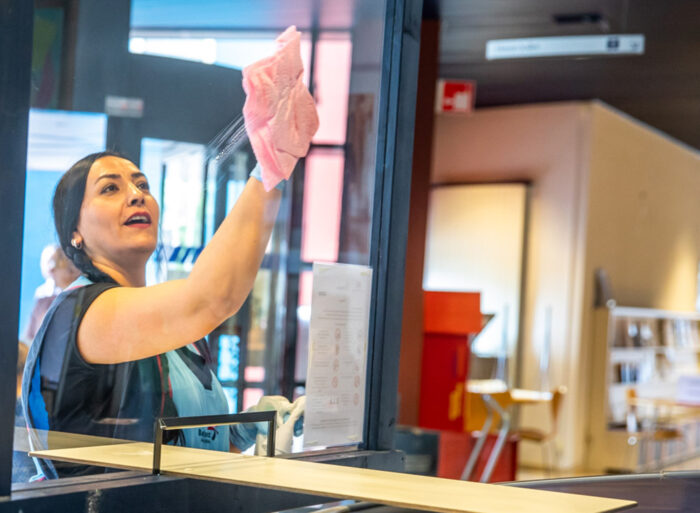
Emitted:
pixel 130 350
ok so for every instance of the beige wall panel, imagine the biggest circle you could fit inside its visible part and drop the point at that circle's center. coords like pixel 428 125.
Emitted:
pixel 643 225
pixel 644 213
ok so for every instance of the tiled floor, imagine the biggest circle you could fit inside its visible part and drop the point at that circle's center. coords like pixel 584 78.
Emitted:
pixel 693 464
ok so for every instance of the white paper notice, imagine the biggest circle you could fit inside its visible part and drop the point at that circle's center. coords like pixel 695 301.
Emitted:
pixel 335 378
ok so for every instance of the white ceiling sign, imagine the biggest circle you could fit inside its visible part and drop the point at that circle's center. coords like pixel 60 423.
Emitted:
pixel 529 47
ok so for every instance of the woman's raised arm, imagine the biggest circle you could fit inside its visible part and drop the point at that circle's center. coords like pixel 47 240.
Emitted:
pixel 130 323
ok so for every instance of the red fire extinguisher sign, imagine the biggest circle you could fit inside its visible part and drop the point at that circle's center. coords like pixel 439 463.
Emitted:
pixel 456 96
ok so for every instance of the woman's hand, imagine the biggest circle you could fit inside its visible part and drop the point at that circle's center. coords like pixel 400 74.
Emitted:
pixel 244 435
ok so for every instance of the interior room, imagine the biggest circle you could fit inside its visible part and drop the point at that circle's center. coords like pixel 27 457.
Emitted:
pixel 565 167
pixel 436 255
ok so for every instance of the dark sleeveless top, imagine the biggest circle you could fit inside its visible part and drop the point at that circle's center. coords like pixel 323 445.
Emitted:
pixel 114 401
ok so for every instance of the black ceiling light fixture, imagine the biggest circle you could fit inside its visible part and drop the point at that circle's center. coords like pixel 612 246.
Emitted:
pixel 581 18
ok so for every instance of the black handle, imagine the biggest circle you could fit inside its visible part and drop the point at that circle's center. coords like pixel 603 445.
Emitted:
pixel 169 423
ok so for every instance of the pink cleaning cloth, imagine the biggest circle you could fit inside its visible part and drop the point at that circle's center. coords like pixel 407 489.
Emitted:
pixel 280 114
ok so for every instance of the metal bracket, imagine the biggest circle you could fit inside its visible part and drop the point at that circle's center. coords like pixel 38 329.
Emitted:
pixel 170 423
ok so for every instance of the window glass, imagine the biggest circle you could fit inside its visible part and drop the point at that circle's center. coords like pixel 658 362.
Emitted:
pixel 56 139
pixel 303 318
pixel 332 81
pixel 175 173
pixel 175 98
pixel 323 195
pixel 227 51
pixel 251 396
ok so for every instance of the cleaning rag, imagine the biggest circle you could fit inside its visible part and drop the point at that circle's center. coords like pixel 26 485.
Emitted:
pixel 280 114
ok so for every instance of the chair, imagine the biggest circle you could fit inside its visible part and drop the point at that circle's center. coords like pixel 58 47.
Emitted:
pixel 649 430
pixel 482 418
pixel 546 438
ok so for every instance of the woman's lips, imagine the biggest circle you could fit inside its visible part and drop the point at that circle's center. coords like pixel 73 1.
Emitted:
pixel 139 220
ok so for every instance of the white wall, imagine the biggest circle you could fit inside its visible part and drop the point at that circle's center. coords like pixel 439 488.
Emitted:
pixel 547 146
pixel 474 242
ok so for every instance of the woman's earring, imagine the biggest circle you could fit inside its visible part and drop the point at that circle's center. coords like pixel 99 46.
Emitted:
pixel 76 245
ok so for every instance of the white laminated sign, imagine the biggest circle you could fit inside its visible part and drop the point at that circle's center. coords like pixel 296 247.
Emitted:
pixel 338 332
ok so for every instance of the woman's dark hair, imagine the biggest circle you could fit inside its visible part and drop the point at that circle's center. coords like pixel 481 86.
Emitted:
pixel 67 201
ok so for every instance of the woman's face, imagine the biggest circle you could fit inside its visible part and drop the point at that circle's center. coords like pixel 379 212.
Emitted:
pixel 119 217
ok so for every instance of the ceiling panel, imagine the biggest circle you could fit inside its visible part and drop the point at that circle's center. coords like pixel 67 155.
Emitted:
pixel 661 87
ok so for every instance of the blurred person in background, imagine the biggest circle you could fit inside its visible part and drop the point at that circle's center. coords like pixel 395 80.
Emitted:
pixel 58 272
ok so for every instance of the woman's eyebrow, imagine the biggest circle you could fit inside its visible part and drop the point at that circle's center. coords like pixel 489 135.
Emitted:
pixel 115 176
pixel 111 176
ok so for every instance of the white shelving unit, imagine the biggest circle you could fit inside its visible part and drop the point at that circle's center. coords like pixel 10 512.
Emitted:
pixel 642 353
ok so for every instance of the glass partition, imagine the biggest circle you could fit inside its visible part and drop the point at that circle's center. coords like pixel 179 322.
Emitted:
pixel 174 74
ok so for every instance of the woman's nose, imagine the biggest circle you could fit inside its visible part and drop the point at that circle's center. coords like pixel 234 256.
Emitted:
pixel 136 196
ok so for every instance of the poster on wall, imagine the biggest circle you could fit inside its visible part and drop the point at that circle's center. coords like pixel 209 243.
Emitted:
pixel 338 333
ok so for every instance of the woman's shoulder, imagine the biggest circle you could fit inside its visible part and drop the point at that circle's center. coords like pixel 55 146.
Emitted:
pixel 83 283
pixel 88 292
pixel 68 309
pixel 77 297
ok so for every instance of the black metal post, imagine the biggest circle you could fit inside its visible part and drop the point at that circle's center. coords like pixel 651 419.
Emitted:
pixel 16 28
pixel 391 208
pixel 157 443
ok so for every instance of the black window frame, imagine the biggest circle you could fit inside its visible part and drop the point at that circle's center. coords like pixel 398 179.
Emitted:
pixel 16 31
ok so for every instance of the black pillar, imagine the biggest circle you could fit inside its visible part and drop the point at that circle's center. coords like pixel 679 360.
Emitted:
pixel 16 27
pixel 390 215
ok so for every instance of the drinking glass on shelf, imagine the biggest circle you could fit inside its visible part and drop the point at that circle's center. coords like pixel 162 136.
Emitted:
pixel 646 334
pixel 617 371
pixel 632 335
pixel 680 332
pixel 620 334
pixel 694 333
pixel 668 334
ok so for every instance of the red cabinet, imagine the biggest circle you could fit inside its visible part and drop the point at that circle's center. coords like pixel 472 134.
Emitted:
pixel 450 318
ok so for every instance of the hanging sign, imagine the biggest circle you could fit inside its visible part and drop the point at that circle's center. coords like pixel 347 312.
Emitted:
pixel 123 107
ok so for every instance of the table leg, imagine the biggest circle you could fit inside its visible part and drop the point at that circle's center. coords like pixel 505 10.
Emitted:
pixel 479 445
pixel 500 441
